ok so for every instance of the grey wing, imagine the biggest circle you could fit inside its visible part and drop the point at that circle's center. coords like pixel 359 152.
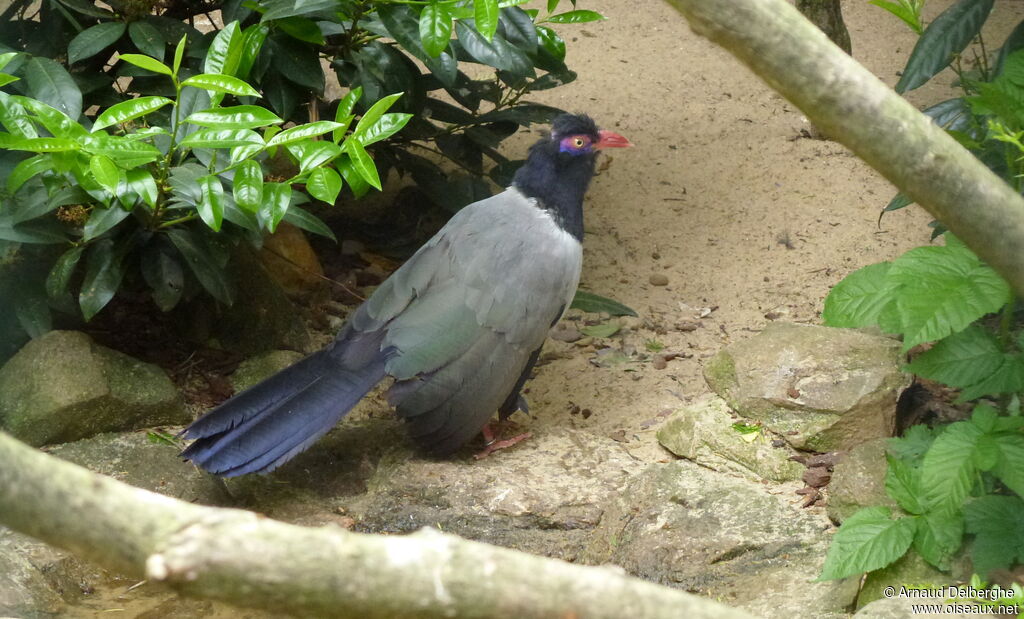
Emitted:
pixel 464 314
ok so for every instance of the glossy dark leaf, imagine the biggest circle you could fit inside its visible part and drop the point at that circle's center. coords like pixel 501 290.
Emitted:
pixel 485 17
pixel 211 202
pixel 946 36
pixel 298 62
pixel 276 198
pixel 253 38
pixel 282 95
pixel 147 39
pixel 93 40
pixel 224 52
pixel 43 233
pixel 58 281
pixel 279 9
pixel 302 29
pixel 952 114
pixel 102 219
pixel 50 83
pixel 129 110
pixel 248 186
pixel 165 276
pixel 87 8
pixel 203 263
pixel 32 310
pixel 362 162
pixel 308 222
pixel 594 303
pixel 1013 42
pixel 575 17
pixel 324 184
pixel 519 29
pixel 898 201
pixel 551 42
pixel 435 28
pixel 103 275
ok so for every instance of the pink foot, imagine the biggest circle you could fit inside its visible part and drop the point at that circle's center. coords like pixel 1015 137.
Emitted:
pixel 492 445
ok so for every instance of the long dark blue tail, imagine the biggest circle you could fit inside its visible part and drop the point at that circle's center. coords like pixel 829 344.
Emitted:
pixel 268 424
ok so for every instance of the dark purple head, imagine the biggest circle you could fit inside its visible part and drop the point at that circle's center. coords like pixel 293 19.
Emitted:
pixel 579 135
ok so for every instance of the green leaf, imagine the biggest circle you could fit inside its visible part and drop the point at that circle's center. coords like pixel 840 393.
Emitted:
pixel 53 85
pixel 997 523
pixel 298 62
pixel 224 51
pixel 29 233
pixel 103 275
pixel 37 145
pixel 252 41
pixel 147 38
pixel 550 41
pixel 204 265
pixel 302 132
pixel 913 444
pixel 58 281
pixel 858 299
pixel 55 121
pixel 962 359
pixel 129 110
pixel 105 171
pixel 374 114
pixel 221 83
pixel 236 117
pixel 519 29
pixel 312 153
pixel 93 40
pixel 248 187
pixel 606 329
pixel 1007 378
pixel 435 27
pixel 324 184
pixel 485 17
pixel 32 311
pixel 308 222
pixel 302 29
pixel 1009 467
pixel 388 125
pixel 26 169
pixel 145 62
pixel 942 40
pixel 165 277
pixel 276 198
pixel 141 182
pixel 343 115
pixel 868 540
pixel 575 17
pixel 101 220
pixel 125 152
pixel 902 10
pixel 211 205
pixel 353 179
pixel 362 162
pixel 6 79
pixel 222 138
pixel 87 8
pixel 943 290
pixel 939 535
pixel 948 471
pixel 179 53
pixel 594 303
pixel 903 484
pixel 552 5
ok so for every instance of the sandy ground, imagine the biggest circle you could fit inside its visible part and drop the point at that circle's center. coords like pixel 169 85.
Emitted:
pixel 721 195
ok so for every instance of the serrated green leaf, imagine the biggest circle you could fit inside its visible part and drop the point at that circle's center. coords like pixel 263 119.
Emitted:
pixel 101 220
pixel 129 110
pixel 1007 378
pixel 58 281
pixel 93 40
pixel 51 84
pixel 903 484
pixel 575 17
pixel 962 359
pixel 105 171
pixel 913 444
pixel 147 38
pixel 939 535
pixel 362 162
pixel 222 84
pixel 324 184
pixel 276 198
pixel 435 27
pixel 857 300
pixel 485 17
pixel 103 275
pixel 222 138
pixel 1009 467
pixel 948 470
pixel 145 62
pixel 235 117
pixel 248 187
pixel 947 35
pixel 211 204
pixel 302 132
pixel 308 222
pixel 203 264
pixel 374 114
pixel 141 182
pixel 606 329
pixel 997 523
pixel 594 303
pixel 868 540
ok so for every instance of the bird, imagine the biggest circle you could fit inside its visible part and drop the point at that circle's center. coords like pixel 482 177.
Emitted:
pixel 458 327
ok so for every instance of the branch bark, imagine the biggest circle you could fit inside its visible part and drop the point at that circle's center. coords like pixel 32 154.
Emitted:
pixel 851 105
pixel 238 557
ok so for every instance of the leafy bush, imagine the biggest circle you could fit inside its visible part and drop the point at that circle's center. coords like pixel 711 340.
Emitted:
pixel 966 478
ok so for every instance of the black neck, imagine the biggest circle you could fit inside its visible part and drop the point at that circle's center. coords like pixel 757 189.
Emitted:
pixel 558 181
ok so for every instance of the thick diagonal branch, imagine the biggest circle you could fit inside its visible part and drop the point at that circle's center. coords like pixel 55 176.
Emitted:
pixel 238 557
pixel 851 105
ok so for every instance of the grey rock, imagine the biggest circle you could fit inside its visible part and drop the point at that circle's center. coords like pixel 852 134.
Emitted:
pixel 255 369
pixel 858 480
pixel 135 459
pixel 37 580
pixel 543 496
pixel 821 388
pixel 682 525
pixel 63 387
pixel 703 432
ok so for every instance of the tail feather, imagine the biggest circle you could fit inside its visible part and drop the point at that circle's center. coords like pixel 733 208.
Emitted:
pixel 265 426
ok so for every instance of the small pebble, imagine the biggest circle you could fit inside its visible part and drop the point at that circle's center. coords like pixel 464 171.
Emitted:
pixel 658 279
pixel 565 333
pixel 660 363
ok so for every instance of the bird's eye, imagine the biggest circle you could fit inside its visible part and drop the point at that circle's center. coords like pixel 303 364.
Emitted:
pixel 578 142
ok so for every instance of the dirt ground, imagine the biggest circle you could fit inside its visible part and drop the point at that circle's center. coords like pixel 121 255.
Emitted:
pixel 722 195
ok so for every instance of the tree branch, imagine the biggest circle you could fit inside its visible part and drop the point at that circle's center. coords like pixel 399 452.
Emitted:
pixel 850 104
pixel 241 558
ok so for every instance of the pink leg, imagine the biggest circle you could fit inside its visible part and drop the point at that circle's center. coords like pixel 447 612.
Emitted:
pixel 492 445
